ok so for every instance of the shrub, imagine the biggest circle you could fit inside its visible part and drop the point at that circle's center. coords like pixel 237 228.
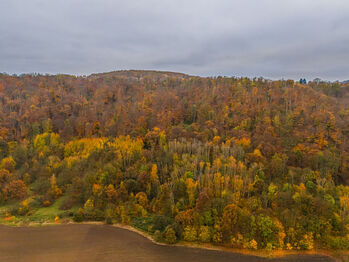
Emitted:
pixel 190 234
pixel 57 219
pixel 109 214
pixel 253 244
pixel 47 203
pixel 338 242
pixel 237 241
pixel 157 236
pixel 170 236
pixel 307 242
pixel 108 220
pixel 24 208
pixel 217 235
pixel 269 247
pixel 79 216
pixel 204 234
pixel 99 215
pixel 161 222
pixel 68 203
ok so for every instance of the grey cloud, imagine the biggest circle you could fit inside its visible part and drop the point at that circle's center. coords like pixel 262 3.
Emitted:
pixel 276 39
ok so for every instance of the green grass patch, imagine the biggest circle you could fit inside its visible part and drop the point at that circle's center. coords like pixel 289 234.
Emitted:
pixel 38 215
pixel 7 207
pixel 46 214
pixel 142 223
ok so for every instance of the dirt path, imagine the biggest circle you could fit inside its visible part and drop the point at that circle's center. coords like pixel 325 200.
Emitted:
pixel 75 243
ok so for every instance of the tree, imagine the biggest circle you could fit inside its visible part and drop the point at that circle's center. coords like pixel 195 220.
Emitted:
pixel 55 191
pixel 4 176
pixel 165 201
pixel 154 175
pixel 111 193
pixel 122 193
pixel 278 165
pixel 230 216
pixel 16 189
pixel 142 199
pixel 191 190
pixel 8 163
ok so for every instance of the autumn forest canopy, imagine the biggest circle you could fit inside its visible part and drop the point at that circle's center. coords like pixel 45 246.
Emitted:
pixel 239 162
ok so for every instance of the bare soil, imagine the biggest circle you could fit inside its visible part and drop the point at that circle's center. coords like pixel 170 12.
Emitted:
pixel 76 243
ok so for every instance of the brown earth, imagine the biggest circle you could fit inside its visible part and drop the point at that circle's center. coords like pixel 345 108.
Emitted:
pixel 107 243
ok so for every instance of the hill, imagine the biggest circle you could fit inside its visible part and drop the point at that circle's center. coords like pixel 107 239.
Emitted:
pixel 249 163
pixel 139 75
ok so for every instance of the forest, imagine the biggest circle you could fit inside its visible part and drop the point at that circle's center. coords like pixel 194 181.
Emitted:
pixel 238 162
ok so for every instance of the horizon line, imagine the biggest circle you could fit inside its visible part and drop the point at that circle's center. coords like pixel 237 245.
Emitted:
pixel 19 74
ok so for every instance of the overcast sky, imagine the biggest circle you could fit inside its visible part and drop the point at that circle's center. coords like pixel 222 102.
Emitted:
pixel 269 38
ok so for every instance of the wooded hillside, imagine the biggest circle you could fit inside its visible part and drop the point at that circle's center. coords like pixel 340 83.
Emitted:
pixel 249 163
